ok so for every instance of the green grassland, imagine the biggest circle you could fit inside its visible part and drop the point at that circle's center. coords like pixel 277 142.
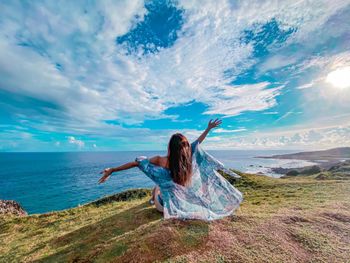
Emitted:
pixel 295 219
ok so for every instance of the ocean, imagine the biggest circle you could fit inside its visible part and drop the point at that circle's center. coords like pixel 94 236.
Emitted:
pixel 44 182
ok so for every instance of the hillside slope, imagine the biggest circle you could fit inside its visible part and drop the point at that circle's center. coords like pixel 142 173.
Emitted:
pixel 297 219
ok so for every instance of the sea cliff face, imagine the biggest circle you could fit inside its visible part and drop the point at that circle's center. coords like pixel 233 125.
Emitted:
pixel 10 207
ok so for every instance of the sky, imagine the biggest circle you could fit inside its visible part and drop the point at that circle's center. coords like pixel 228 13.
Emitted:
pixel 125 75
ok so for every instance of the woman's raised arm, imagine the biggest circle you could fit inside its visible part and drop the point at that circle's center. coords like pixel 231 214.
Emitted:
pixel 212 124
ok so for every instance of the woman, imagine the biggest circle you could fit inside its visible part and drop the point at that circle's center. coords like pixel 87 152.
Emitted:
pixel 188 184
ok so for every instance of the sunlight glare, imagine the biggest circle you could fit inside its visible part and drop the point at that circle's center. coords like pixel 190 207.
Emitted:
pixel 339 78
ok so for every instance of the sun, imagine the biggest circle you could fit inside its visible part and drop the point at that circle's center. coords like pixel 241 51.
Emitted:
pixel 339 78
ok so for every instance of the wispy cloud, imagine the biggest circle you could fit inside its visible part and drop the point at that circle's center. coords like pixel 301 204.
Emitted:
pixel 220 130
pixel 270 112
pixel 306 86
pixel 285 115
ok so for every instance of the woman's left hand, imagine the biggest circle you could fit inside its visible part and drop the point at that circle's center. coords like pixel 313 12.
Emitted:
pixel 213 124
pixel 106 174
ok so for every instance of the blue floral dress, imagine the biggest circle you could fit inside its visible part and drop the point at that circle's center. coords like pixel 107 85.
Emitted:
pixel 209 196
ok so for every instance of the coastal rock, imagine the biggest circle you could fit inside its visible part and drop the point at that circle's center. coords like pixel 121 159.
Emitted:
pixel 10 207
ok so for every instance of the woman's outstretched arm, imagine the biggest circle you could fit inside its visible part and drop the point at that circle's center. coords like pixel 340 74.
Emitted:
pixel 108 171
pixel 212 124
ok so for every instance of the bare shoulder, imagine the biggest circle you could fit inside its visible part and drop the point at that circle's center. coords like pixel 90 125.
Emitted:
pixel 163 159
pixel 156 159
pixel 159 160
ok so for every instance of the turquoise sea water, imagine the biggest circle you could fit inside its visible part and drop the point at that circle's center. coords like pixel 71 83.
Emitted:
pixel 43 182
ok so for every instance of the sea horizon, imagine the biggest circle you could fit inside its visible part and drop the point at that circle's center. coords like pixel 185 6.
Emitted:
pixel 89 151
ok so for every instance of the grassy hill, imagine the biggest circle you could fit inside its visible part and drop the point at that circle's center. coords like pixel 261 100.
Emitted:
pixel 297 219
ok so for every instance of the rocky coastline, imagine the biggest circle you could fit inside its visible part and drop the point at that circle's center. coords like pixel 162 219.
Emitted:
pixel 11 207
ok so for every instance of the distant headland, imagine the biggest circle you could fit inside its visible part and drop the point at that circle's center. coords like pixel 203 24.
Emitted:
pixel 334 154
pixel 328 161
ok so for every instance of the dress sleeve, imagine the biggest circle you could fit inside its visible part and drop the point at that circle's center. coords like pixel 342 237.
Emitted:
pixel 194 145
pixel 211 161
pixel 149 169
pixel 142 163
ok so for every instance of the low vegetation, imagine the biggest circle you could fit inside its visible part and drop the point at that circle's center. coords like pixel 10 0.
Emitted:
pixel 296 219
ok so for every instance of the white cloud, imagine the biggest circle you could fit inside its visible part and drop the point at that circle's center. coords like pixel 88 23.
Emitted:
pixel 75 141
pixel 278 61
pixel 232 100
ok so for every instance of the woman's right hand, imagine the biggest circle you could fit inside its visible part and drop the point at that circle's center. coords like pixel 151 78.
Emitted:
pixel 106 174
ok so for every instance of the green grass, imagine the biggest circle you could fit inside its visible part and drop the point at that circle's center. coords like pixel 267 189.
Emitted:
pixel 296 219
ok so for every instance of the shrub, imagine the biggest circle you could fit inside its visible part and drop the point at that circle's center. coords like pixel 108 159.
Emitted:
pixel 292 173
pixel 311 170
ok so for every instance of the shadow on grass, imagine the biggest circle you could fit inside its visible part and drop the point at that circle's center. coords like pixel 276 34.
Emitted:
pixel 85 243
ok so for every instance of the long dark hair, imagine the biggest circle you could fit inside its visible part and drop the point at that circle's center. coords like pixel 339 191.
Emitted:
pixel 180 159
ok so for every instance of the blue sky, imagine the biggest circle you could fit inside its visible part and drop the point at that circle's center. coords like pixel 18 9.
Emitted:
pixel 125 75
